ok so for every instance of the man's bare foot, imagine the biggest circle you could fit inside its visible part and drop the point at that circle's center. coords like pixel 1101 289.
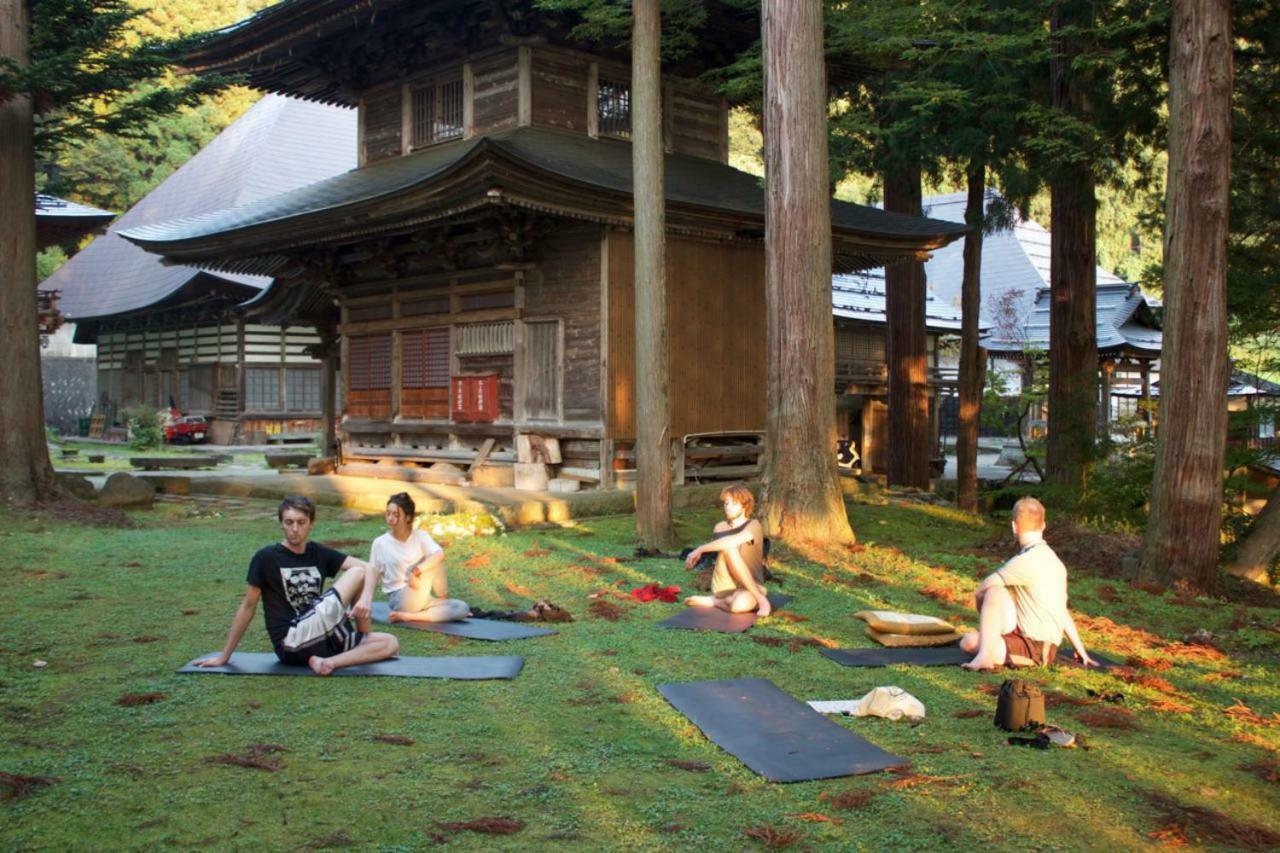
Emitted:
pixel 320 666
pixel 979 665
pixel 765 608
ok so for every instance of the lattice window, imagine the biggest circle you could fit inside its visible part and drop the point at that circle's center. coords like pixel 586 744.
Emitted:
pixel 262 389
pixel 437 112
pixel 485 339
pixel 302 389
pixel 425 358
pixel 369 362
pixel 613 108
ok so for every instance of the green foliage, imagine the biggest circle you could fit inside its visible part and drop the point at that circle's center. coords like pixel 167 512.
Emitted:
pixel 48 261
pixel 145 430
pixel 610 21
pixel 90 72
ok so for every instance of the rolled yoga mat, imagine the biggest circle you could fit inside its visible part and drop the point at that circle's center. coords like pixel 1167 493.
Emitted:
pixel 715 619
pixel 944 656
pixel 472 629
pixel 774 734
pixel 458 668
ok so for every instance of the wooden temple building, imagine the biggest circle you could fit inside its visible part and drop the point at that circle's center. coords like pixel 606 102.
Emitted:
pixel 474 274
pixel 173 334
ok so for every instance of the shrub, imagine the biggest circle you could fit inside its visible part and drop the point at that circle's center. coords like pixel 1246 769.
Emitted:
pixel 145 431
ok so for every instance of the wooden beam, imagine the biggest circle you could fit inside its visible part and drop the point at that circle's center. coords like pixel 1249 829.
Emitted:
pixel 468 101
pixel 481 456
pixel 524 87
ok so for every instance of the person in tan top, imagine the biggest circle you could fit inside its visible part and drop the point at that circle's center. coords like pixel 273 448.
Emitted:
pixel 737 584
pixel 1022 606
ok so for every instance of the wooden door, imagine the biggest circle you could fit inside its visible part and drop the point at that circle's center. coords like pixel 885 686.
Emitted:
pixel 542 378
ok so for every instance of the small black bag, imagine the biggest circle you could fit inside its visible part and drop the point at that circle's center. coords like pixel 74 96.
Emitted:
pixel 1020 706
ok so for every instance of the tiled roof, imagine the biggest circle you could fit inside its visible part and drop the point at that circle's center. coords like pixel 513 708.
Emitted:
pixel 52 208
pixel 278 145
pixel 597 164
pixel 861 296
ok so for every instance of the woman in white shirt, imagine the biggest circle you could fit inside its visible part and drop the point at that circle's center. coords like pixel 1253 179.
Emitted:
pixel 412 568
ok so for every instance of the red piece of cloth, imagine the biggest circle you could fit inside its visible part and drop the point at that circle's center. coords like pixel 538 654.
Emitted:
pixel 653 592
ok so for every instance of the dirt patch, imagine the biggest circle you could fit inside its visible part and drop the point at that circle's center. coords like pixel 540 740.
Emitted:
pixel 479 561
pixel 862 579
pixel 589 572
pixel 1054 699
pixel 691 766
pixel 336 839
pixel 1108 718
pixel 969 714
pixel 942 593
pixel 1154 682
pixel 847 800
pixel 15 786
pixel 908 778
pixel 485 825
pixel 767 641
pixel 788 616
pixel 1154 664
pixel 1108 593
pixel 1079 547
pixel 606 610
pixel 1268 769
pixel 259 756
pixel 537 552
pixel 396 740
pixel 774 837
pixel 1171 706
pixel 146 638
pixel 133 700
pixel 1224 675
pixel 1200 825
pixel 70 509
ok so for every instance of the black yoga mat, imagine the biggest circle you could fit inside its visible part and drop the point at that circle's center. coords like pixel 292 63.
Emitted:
pixel 472 629
pixel 937 656
pixel 459 668
pixel 715 619
pixel 773 733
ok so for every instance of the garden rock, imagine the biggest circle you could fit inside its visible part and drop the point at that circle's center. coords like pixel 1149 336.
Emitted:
pixel 123 490
pixel 77 486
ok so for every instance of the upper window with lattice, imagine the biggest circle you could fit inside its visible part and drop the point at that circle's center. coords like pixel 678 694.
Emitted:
pixel 613 108
pixel 437 112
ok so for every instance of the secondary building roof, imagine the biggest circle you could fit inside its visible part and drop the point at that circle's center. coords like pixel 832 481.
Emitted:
pixel 861 296
pixel 1126 324
pixel 59 220
pixel 550 171
pixel 277 145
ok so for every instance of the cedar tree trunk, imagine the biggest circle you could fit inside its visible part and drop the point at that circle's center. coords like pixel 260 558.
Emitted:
pixel 26 475
pixel 1073 335
pixel 1186 493
pixel 972 356
pixel 909 444
pixel 653 410
pixel 801 493
pixel 1261 545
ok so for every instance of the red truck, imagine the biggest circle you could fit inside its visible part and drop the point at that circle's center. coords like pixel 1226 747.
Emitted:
pixel 190 429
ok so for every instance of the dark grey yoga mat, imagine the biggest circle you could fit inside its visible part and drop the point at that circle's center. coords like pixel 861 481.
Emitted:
pixel 773 733
pixel 459 668
pixel 936 656
pixel 714 619
pixel 472 629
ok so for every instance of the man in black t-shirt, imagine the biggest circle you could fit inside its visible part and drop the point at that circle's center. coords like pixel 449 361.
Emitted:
pixel 306 626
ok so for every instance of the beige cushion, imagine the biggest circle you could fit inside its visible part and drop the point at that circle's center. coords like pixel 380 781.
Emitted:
pixel 896 641
pixel 891 622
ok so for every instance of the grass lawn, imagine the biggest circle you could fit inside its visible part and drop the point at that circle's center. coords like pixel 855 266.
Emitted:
pixel 577 752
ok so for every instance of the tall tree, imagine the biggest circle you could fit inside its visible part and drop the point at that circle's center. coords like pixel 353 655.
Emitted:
pixel 26 473
pixel 1073 335
pixel 905 338
pixel 653 421
pixel 972 360
pixel 1186 494
pixel 68 70
pixel 801 495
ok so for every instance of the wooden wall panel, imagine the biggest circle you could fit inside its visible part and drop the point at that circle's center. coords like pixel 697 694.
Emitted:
pixel 560 91
pixel 715 332
pixel 567 285
pixel 496 83
pixel 698 125
pixel 382 124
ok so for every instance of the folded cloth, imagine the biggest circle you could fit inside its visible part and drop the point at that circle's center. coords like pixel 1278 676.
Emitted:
pixel 833 706
pixel 654 592
pixel 892 703
pixel 893 622
pixel 898 641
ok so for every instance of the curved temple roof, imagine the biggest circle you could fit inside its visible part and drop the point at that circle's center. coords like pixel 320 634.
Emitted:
pixel 557 172
pixel 277 145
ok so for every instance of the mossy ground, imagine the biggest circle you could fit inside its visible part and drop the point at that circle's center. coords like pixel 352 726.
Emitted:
pixel 576 749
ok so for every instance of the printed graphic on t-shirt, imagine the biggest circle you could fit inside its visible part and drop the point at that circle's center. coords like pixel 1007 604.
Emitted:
pixel 301 586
